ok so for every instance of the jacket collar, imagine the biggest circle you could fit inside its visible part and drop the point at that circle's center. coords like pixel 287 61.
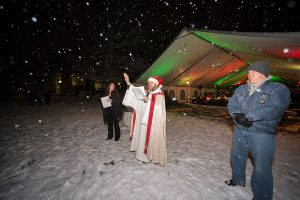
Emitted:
pixel 257 87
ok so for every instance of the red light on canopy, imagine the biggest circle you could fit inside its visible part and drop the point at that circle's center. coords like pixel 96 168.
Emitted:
pixel 288 52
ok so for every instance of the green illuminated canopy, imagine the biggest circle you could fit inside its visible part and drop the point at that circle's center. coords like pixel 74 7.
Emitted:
pixel 205 58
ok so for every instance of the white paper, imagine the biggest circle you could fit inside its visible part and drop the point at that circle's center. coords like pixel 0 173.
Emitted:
pixel 139 92
pixel 105 102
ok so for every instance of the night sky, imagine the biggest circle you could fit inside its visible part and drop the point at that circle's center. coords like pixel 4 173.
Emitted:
pixel 102 39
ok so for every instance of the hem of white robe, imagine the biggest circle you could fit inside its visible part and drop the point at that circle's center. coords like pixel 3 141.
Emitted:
pixel 144 159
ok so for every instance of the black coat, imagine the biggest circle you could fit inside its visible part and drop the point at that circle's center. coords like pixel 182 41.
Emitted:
pixel 116 110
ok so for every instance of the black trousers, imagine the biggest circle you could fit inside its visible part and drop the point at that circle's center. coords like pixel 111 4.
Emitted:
pixel 113 126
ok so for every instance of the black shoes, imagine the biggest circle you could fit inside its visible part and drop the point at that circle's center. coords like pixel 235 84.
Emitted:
pixel 231 183
pixel 112 138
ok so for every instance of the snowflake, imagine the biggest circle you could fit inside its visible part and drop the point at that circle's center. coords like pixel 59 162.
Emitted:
pixel 34 19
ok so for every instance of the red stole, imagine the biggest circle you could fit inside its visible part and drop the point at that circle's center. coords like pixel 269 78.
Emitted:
pixel 152 104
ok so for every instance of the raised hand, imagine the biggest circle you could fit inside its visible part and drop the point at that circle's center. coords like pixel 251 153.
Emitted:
pixel 126 78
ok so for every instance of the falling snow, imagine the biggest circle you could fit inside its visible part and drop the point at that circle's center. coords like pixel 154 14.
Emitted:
pixel 34 19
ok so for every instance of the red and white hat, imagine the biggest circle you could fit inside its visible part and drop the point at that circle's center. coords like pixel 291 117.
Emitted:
pixel 156 80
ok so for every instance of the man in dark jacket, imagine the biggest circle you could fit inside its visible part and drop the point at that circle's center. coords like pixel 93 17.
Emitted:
pixel 256 108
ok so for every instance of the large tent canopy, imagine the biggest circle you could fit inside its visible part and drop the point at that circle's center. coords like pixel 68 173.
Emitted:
pixel 214 58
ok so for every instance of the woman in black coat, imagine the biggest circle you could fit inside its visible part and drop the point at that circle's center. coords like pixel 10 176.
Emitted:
pixel 113 114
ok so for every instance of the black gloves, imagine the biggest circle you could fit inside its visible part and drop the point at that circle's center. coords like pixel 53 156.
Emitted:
pixel 241 119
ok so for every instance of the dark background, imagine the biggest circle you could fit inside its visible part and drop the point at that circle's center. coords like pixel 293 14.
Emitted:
pixel 102 39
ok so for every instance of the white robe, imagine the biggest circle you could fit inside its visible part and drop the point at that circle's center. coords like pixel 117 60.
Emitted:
pixel 139 107
pixel 156 148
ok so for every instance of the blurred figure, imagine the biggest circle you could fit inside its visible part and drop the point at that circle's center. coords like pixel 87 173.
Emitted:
pixel 32 97
pixel 47 97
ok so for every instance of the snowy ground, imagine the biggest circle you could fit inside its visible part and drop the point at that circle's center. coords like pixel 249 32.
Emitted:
pixel 60 152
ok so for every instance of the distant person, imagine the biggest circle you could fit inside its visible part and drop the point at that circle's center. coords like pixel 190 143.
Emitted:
pixel 113 114
pixel 167 98
pixel 32 97
pixel 47 93
pixel 47 97
pixel 256 108
pixel 150 139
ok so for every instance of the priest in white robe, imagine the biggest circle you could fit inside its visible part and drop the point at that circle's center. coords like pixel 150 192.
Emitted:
pixel 148 129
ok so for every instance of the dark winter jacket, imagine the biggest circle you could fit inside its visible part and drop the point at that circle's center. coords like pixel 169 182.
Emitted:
pixel 116 110
pixel 264 108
